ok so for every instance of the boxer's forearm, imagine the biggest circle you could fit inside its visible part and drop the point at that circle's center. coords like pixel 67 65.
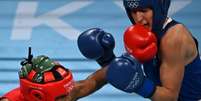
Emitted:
pixel 91 84
pixel 87 87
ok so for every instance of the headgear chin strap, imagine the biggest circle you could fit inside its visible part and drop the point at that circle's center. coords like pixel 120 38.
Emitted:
pixel 41 79
pixel 160 10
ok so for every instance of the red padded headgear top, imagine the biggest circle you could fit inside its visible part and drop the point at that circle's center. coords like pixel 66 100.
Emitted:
pixel 50 89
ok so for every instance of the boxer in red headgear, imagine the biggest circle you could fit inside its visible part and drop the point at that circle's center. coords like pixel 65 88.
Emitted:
pixel 41 79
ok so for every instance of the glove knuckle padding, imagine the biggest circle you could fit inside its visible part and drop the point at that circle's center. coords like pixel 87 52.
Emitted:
pixel 98 45
pixel 89 45
pixel 140 42
pixel 125 74
pixel 146 53
pixel 108 41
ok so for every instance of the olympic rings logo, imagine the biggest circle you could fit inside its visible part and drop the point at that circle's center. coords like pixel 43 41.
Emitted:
pixel 132 3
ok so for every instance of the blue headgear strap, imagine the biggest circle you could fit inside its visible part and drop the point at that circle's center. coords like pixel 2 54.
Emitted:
pixel 160 9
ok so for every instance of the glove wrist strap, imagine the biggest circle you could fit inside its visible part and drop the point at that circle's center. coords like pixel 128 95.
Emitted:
pixel 147 89
pixel 104 61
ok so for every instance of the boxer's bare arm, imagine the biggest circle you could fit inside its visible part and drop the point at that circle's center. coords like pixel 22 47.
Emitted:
pixel 88 86
pixel 177 50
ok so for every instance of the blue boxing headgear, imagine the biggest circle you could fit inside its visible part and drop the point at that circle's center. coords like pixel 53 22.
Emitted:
pixel 159 7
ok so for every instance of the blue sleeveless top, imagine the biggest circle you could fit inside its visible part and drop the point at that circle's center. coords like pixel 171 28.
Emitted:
pixel 191 85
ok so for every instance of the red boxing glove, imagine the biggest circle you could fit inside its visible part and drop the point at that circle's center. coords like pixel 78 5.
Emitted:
pixel 14 95
pixel 140 42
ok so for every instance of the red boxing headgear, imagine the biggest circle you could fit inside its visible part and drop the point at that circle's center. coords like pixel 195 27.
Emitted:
pixel 140 42
pixel 41 79
pixel 48 91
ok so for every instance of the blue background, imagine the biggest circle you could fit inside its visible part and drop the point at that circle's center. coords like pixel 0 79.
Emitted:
pixel 47 40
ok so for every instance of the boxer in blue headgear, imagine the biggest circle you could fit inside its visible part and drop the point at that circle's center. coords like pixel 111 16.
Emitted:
pixel 159 7
pixel 172 75
pixel 177 63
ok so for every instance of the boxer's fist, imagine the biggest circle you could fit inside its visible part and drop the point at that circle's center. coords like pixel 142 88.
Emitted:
pixel 126 74
pixel 97 44
pixel 140 42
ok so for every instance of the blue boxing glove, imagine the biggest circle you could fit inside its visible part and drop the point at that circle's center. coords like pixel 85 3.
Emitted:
pixel 125 73
pixel 97 44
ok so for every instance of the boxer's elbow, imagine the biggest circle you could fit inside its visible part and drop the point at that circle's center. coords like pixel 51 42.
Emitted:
pixel 164 94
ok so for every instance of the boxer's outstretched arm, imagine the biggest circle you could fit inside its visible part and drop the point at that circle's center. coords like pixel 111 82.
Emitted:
pixel 89 85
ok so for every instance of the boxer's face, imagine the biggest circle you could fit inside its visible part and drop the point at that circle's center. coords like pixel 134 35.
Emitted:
pixel 143 17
